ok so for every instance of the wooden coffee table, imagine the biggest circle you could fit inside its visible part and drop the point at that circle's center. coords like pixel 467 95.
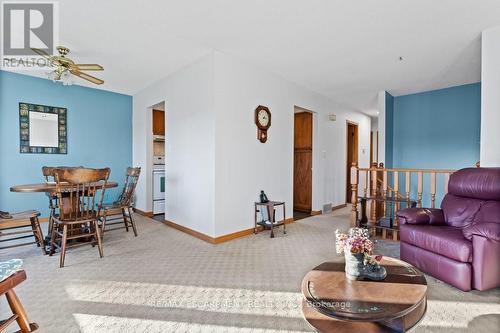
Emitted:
pixel 333 303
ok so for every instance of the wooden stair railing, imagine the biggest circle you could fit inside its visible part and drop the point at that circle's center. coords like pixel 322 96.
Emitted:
pixel 375 181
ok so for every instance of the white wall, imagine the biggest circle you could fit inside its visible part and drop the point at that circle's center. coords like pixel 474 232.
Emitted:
pixel 381 126
pixel 189 148
pixel 215 165
pixel 244 166
pixel 374 129
pixel 490 98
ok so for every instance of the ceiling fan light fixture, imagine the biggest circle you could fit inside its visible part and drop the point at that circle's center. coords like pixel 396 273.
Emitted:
pixel 65 68
pixel 66 79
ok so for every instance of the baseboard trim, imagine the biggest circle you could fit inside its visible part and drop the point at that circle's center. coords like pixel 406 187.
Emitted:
pixel 143 213
pixel 189 231
pixel 243 233
pixel 219 239
pixel 316 212
pixel 339 207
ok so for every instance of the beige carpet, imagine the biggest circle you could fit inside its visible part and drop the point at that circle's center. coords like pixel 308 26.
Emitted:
pixel 167 281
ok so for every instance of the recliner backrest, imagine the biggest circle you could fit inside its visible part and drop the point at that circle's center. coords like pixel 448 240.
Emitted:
pixel 473 196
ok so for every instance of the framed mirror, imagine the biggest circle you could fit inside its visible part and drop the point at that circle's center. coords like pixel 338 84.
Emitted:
pixel 42 129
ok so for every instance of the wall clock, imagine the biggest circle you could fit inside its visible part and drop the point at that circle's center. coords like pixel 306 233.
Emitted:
pixel 263 122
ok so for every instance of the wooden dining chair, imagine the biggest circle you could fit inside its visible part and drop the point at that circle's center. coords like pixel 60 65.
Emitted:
pixel 18 313
pixel 120 211
pixel 80 193
pixel 23 223
pixel 48 174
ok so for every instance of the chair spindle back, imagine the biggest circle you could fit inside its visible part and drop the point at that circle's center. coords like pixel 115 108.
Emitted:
pixel 77 191
pixel 129 188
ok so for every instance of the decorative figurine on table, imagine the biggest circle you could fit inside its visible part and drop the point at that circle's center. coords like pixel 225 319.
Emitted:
pixel 263 197
pixel 360 263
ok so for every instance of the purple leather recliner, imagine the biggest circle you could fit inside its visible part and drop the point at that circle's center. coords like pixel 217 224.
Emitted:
pixel 459 243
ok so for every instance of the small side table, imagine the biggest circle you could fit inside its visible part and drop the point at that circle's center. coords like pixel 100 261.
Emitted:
pixel 270 206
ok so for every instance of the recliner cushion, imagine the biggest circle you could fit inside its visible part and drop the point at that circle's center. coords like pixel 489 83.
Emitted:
pixel 489 212
pixel 478 183
pixel 459 211
pixel 446 241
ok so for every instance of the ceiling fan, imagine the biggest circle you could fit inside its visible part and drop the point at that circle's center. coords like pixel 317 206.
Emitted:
pixel 64 66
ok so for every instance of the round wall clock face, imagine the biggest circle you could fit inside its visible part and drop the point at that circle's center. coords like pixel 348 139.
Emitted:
pixel 263 118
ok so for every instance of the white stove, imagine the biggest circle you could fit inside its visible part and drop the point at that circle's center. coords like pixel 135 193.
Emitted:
pixel 159 185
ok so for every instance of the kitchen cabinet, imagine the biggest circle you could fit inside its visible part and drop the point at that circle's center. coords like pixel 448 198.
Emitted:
pixel 158 122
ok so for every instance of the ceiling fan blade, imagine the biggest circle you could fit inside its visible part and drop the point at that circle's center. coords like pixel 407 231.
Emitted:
pixel 86 76
pixel 88 67
pixel 41 53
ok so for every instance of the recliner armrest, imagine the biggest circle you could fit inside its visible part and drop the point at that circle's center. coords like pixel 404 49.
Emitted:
pixel 487 230
pixel 421 216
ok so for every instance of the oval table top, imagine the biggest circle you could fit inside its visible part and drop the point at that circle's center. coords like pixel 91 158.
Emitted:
pixel 332 302
pixel 48 187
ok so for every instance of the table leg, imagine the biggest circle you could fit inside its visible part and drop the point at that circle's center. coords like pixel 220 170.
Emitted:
pixel 271 217
pixel 255 219
pixel 284 219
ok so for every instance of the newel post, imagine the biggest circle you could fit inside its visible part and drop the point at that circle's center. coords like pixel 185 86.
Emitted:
pixel 354 194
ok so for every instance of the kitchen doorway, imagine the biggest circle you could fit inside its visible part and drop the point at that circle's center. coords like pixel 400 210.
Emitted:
pixel 352 155
pixel 158 125
pixel 302 163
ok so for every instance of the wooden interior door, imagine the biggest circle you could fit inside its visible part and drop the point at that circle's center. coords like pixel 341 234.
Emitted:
pixel 352 155
pixel 302 166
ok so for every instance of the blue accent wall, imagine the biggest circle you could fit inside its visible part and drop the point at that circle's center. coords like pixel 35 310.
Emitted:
pixel 389 131
pixel 99 135
pixel 437 129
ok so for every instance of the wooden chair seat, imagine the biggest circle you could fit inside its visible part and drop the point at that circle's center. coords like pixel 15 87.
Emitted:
pixel 76 219
pixel 18 313
pixel 114 208
pixel 9 229
pixel 20 217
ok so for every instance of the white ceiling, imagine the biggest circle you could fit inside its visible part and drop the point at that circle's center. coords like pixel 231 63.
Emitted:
pixel 347 50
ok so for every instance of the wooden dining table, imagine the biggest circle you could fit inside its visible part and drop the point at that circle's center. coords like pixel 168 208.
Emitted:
pixel 50 188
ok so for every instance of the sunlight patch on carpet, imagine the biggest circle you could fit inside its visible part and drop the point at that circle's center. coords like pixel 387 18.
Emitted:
pixel 111 324
pixel 456 314
pixel 224 300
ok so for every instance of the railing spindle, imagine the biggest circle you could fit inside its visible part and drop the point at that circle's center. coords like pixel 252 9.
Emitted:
pixel 373 194
pixel 354 194
pixel 446 180
pixel 420 185
pixel 407 185
pixel 365 184
pixel 433 190
pixel 384 192
pixel 396 188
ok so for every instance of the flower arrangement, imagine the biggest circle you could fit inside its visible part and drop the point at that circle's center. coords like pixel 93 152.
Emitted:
pixel 356 241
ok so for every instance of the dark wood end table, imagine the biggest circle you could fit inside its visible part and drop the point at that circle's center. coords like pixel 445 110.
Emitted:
pixel 333 303
pixel 270 205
